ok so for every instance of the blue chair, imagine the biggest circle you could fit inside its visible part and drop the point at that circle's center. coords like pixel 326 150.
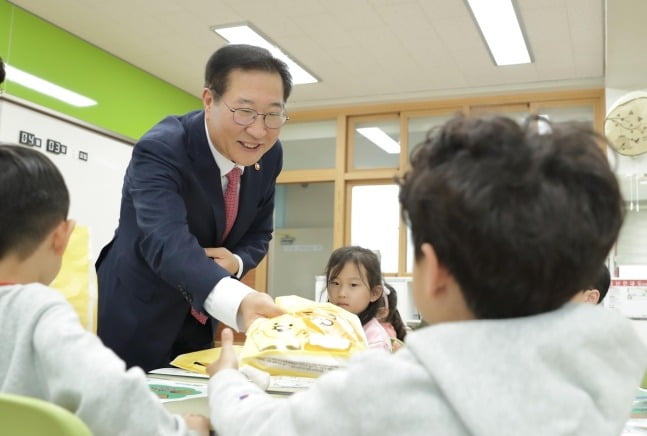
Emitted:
pixel 27 416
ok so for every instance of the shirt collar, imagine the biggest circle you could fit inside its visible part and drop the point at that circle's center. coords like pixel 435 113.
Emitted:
pixel 223 163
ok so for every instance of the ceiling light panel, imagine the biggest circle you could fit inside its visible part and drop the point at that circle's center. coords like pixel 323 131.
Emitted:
pixel 244 34
pixel 499 24
pixel 48 88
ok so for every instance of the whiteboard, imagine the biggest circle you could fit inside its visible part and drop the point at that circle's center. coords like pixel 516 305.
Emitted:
pixel 92 162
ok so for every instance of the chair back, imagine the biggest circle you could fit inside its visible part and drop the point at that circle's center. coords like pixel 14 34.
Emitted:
pixel 27 416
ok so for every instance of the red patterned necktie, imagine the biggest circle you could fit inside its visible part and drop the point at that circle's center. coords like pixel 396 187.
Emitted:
pixel 231 200
pixel 201 317
pixel 231 209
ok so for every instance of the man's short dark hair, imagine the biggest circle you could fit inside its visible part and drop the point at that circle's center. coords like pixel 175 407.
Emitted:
pixel 243 57
pixel 522 220
pixel 34 199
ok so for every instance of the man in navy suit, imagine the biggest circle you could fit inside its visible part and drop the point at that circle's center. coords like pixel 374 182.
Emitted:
pixel 172 269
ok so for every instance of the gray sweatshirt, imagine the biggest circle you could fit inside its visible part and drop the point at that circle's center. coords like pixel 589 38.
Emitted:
pixel 46 353
pixel 573 371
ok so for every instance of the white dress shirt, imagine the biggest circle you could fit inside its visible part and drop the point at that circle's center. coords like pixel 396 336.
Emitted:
pixel 224 299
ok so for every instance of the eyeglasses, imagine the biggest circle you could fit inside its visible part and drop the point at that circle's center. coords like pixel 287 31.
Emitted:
pixel 246 117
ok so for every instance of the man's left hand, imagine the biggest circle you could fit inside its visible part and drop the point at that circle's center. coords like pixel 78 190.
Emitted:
pixel 224 258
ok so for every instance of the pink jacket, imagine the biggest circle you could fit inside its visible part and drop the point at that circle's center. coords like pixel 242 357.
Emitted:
pixel 377 335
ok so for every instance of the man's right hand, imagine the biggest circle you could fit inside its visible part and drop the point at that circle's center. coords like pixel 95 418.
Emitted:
pixel 257 305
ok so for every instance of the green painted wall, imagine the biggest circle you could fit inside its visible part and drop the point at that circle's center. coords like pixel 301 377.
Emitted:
pixel 130 100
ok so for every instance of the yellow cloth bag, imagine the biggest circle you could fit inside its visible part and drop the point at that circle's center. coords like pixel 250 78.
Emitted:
pixel 77 279
pixel 308 340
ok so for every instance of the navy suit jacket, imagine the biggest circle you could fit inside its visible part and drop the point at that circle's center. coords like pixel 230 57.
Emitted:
pixel 172 207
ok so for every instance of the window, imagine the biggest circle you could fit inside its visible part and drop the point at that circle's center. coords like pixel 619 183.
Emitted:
pixel 309 145
pixel 337 184
pixel 375 222
pixel 375 143
pixel 303 236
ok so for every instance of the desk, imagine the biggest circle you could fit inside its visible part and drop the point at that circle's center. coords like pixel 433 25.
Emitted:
pixel 637 424
pixel 282 387
pixel 199 405
pixel 192 405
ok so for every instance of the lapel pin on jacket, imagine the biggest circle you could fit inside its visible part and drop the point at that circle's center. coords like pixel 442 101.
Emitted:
pixel 257 166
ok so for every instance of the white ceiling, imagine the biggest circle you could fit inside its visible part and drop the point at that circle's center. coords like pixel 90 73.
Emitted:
pixel 362 50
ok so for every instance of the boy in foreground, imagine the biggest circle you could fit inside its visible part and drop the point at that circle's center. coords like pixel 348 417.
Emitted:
pixel 500 218
pixel 44 351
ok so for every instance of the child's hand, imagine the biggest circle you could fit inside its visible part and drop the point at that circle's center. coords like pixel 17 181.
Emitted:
pixel 227 357
pixel 197 423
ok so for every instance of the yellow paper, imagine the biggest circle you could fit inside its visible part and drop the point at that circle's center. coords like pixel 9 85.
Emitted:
pixel 77 278
pixel 199 360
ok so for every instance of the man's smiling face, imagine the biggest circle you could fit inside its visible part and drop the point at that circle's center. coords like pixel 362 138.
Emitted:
pixel 258 90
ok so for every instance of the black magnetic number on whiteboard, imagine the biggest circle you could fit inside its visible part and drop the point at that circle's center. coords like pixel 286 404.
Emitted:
pixel 26 138
pixel 55 147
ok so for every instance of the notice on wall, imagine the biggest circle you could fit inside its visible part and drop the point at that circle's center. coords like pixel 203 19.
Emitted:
pixel 629 297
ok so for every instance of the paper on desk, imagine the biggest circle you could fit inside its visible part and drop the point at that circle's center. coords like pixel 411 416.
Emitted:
pixel 169 390
pixel 179 372
pixel 635 427
pixel 283 384
pixel 198 361
pixel 275 384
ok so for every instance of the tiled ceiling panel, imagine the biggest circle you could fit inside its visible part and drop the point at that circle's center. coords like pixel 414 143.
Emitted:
pixel 362 50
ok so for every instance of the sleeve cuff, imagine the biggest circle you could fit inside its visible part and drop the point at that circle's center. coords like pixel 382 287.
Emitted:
pixel 224 300
pixel 240 266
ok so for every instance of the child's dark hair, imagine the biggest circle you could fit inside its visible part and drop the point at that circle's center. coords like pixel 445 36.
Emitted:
pixel 603 282
pixel 34 196
pixel 519 218
pixel 393 315
pixel 360 257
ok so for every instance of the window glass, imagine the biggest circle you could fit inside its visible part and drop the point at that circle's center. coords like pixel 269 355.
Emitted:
pixel 518 112
pixel 309 145
pixel 411 258
pixel 302 239
pixel 375 222
pixel 568 113
pixel 376 152
pixel 419 127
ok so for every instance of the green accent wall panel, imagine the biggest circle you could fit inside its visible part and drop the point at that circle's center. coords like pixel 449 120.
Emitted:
pixel 130 100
